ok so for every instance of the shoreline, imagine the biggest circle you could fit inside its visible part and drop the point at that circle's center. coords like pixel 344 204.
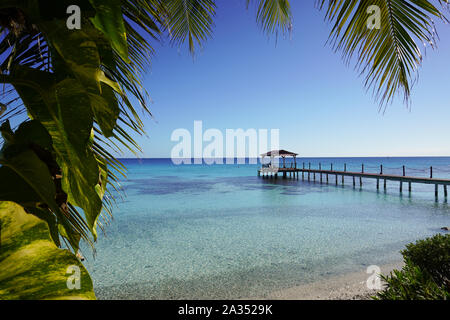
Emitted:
pixel 350 286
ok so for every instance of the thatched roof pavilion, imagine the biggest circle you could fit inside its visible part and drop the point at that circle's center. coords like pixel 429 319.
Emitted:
pixel 283 154
pixel 279 153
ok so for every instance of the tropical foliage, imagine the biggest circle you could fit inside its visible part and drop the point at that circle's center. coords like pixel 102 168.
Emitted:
pixel 32 267
pixel 77 87
pixel 388 56
pixel 426 274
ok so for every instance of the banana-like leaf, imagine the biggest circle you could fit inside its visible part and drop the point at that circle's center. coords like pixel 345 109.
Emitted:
pixel 31 266
pixel 29 181
pixel 65 111
pixel 109 19
pixel 106 109
pixel 77 50
pixel 16 189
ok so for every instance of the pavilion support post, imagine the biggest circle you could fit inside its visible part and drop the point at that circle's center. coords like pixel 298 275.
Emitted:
pixel 445 191
pixel 409 186
pixel 384 184
pixel 342 179
pixel 401 186
pixel 378 184
pixel 336 179
pixel 354 182
pixel 327 178
pixel 360 181
pixel 436 190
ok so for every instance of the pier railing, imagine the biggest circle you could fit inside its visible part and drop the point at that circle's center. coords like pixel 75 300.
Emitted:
pixel 402 174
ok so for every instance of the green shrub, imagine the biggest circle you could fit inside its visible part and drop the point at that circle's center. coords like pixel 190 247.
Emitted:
pixel 411 283
pixel 433 256
pixel 425 275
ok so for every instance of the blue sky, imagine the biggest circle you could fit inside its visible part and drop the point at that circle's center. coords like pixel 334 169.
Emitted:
pixel 243 79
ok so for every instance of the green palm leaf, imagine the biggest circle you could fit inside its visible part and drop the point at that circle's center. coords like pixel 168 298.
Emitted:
pixel 273 16
pixel 189 20
pixel 389 56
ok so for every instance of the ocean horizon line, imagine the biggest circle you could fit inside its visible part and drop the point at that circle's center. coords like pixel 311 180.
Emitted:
pixel 318 157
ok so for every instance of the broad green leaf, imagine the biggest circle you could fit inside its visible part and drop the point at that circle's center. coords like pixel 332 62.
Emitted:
pixel 78 52
pixel 109 20
pixel 34 172
pixel 71 99
pixel 31 185
pixel 33 132
pixel 14 188
pixel 31 266
pixel 106 109
pixel 65 111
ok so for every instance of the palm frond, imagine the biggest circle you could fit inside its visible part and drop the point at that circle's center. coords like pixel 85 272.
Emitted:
pixel 189 20
pixel 389 56
pixel 274 16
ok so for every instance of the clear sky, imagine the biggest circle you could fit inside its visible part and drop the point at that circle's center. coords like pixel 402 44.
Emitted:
pixel 243 79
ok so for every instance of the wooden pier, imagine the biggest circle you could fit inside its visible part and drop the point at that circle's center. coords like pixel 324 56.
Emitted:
pixel 323 176
pixel 338 177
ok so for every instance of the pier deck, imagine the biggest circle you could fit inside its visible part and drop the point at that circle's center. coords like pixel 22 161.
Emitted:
pixel 324 175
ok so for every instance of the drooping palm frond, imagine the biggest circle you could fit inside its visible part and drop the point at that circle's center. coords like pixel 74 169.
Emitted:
pixel 189 20
pixel 388 56
pixel 274 16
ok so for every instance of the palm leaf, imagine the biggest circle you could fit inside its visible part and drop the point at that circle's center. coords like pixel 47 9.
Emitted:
pixel 189 20
pixel 273 16
pixel 389 57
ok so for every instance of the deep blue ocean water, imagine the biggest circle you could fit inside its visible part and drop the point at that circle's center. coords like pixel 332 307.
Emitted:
pixel 219 231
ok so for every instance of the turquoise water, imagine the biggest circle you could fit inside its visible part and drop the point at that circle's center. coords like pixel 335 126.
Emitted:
pixel 202 231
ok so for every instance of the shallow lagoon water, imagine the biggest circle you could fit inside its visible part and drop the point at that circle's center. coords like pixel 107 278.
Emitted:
pixel 199 231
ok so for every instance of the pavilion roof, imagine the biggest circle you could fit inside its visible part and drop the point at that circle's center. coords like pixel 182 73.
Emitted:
pixel 281 153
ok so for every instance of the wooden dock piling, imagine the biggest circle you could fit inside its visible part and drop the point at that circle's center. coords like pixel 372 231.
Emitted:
pixel 293 172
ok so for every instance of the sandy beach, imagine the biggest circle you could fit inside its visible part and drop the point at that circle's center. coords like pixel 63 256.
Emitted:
pixel 352 286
